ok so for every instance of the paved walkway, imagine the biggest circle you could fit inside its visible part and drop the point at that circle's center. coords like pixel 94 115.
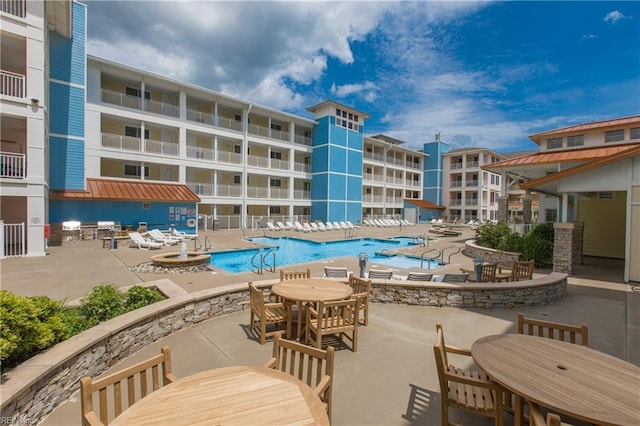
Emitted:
pixel 391 380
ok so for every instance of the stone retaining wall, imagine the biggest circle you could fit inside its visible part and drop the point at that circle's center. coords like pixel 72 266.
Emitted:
pixel 490 255
pixel 33 389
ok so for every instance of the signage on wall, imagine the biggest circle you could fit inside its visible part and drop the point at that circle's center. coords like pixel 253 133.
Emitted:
pixel 181 214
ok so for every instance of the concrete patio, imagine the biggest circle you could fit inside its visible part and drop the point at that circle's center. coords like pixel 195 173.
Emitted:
pixel 391 380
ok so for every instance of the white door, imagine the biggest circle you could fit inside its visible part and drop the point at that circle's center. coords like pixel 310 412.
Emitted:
pixel 168 105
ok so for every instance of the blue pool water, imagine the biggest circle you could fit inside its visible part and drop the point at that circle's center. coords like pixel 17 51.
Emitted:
pixel 290 251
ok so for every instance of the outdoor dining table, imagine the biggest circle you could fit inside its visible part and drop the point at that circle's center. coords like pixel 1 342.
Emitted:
pixel 309 290
pixel 565 378
pixel 238 395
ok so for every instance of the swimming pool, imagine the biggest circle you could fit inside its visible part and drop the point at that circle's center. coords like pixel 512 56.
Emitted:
pixel 291 251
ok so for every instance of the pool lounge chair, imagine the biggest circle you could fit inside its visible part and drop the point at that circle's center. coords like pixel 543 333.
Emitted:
pixel 179 234
pixel 337 225
pixel 308 227
pixel 142 242
pixel 335 272
pixel 300 228
pixel 281 226
pixel 329 226
pixel 271 227
pixel 289 225
pixel 158 236
pixel 321 227
pixel 314 227
pixel 381 274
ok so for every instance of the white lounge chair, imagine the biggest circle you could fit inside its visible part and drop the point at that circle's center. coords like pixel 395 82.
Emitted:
pixel 321 227
pixel 158 236
pixel 179 234
pixel 351 225
pixel 314 227
pixel 281 226
pixel 271 227
pixel 300 228
pixel 289 225
pixel 142 242
pixel 335 272
pixel 329 226
pixel 337 225
pixel 307 227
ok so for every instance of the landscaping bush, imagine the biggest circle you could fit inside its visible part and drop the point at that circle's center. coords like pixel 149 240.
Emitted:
pixel 137 297
pixel 103 303
pixel 536 245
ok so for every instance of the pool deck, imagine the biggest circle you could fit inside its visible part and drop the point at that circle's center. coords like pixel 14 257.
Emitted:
pixel 391 380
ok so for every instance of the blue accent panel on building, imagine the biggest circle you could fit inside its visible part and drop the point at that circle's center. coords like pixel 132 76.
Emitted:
pixel 68 56
pixel 320 133
pixel 66 115
pixel 125 212
pixel 356 141
pixel 338 159
pixel 432 176
pixel 320 159
pixel 336 211
pixel 319 211
pixel 354 188
pixel 338 136
pixel 66 157
pixel 320 187
pixel 354 162
pixel 337 190
pixel 354 212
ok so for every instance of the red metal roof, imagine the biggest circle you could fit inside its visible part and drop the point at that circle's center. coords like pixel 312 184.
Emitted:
pixel 120 190
pixel 584 154
pixel 617 122
pixel 425 204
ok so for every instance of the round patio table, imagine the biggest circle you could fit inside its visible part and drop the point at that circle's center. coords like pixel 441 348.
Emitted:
pixel 229 396
pixel 564 377
pixel 313 290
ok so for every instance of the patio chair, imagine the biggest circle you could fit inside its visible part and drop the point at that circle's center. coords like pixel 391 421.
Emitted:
pixel 361 290
pixel 419 276
pixel 470 390
pixel 311 365
pixel 380 274
pixel 455 278
pixel 335 272
pixel 300 228
pixel 158 236
pixel 265 314
pixel 333 318
pixel 487 275
pixel 142 242
pixel 329 226
pixel 536 417
pixel 519 270
pixel 110 389
pixel 294 275
pixel 282 226
pixel 553 330
pixel 183 235
pixel 289 225
pixel 314 226
pixel 271 227
pixel 321 227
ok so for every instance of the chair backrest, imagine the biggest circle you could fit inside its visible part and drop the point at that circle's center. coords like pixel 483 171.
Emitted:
pixel 455 278
pixel 120 390
pixel 419 276
pixel 338 315
pixel 488 272
pixel 294 275
pixel 136 236
pixel 256 298
pixel 335 272
pixel 311 365
pixel 522 270
pixel 359 286
pixel 385 274
pixel 553 330
pixel 442 362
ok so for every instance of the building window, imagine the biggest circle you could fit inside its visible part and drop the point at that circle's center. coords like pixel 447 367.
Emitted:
pixel 236 209
pixel 237 117
pixel 635 133
pixel 275 182
pixel 275 126
pixel 614 135
pixel 134 91
pixel 348 120
pixel 554 143
pixel 276 155
pixel 237 149
pixel 551 215
pixel 236 179
pixel 575 140
pixel 135 132
pixel 134 170
pixel 274 209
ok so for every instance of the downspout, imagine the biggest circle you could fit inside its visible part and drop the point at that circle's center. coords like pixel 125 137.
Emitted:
pixel 244 180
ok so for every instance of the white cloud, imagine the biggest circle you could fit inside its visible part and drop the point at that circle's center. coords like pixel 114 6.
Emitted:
pixel 615 16
pixel 366 90
pixel 588 36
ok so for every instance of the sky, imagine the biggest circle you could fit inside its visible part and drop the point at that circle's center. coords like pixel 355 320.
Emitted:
pixel 480 73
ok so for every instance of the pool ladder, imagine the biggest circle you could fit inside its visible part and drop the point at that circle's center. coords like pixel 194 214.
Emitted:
pixel 263 264
pixel 424 257
pixel 457 250
pixel 197 246
pixel 422 240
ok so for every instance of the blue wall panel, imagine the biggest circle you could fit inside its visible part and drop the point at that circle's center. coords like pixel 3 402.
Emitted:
pixel 320 133
pixel 125 212
pixel 336 211
pixel 338 159
pixel 354 212
pixel 356 140
pixel 320 159
pixel 354 162
pixel 339 136
pixel 337 189
pixel 319 211
pixel 66 115
pixel 66 157
pixel 354 188
pixel 320 187
pixel 68 56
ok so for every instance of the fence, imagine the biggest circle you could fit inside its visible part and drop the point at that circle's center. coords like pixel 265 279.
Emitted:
pixel 12 240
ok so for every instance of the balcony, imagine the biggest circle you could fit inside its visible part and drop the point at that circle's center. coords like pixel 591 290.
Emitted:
pixel 456 184
pixel 300 194
pixel 200 117
pixel 303 140
pixel 268 133
pixel 128 143
pixel 160 147
pixel 456 166
pixel 161 108
pixel 14 7
pixel 12 165
pixel 471 202
pixel 472 183
pixel 267 163
pixel 471 164
pixel 12 84
pixel 200 153
pixel 134 102
pixel 455 202
pixel 302 167
pixel 229 157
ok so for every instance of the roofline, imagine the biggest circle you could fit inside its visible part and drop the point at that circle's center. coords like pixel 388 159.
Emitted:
pixel 312 108
pixel 471 149
pixel 596 124
pixel 614 158
pixel 400 147
pixel 200 88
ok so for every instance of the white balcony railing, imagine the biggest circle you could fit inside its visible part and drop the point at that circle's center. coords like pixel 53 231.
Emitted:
pixel 205 189
pixel 257 161
pixel 303 140
pixel 200 117
pixel 14 7
pixel 161 108
pixel 233 191
pixel 456 166
pixel 125 143
pixel 456 184
pixel 280 193
pixel 228 157
pixel 12 84
pixel 302 167
pixel 121 99
pixel 229 123
pixel 300 194
pixel 472 164
pixel 279 164
pixel 12 165
pixel 200 153
pixel 160 147
pixel 257 192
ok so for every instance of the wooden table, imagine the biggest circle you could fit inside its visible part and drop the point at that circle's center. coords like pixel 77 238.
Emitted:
pixel 312 290
pixel 566 378
pixel 229 396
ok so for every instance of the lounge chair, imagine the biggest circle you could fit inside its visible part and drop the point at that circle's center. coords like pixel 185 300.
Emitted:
pixel 179 234
pixel 271 227
pixel 455 278
pixel 335 272
pixel 300 228
pixel 142 242
pixel 321 227
pixel 337 225
pixel 344 225
pixel 314 227
pixel 351 225
pixel 381 274
pixel 419 276
pixel 308 227
pixel 158 236
pixel 281 226
pixel 289 225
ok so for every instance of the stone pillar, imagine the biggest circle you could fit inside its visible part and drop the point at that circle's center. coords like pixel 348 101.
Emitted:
pixel 567 246
pixel 526 209
pixel 503 209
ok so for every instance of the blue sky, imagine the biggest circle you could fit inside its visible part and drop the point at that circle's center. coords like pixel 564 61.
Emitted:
pixel 482 73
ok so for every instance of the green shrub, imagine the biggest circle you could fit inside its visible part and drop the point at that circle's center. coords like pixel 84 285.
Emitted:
pixel 28 325
pixel 74 321
pixel 536 245
pixel 138 296
pixel 103 303
pixel 491 235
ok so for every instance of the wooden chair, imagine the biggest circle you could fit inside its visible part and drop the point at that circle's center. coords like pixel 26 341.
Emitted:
pixel 362 290
pixel 537 419
pixel 265 314
pixel 553 330
pixel 487 275
pixel 381 274
pixel 520 270
pixel 333 318
pixel 111 392
pixel 455 278
pixel 311 365
pixel 470 390
pixel 294 275
pixel 419 276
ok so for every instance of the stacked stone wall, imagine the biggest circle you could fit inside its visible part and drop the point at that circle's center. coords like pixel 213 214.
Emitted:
pixel 489 255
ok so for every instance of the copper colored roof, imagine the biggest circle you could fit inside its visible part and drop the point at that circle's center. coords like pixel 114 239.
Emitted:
pixel 425 204
pixel 617 122
pixel 622 155
pixel 584 154
pixel 119 190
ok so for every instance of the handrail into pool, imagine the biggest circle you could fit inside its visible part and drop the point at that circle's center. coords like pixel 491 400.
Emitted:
pixel 458 250
pixel 34 388
pixel 430 259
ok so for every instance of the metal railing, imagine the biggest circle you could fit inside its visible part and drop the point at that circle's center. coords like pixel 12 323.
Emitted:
pixel 12 165
pixel 14 7
pixel 161 108
pixel 160 147
pixel 259 261
pixel 12 84
pixel 456 249
pixel 424 257
pixel 12 240
pixel 121 99
pixel 200 117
